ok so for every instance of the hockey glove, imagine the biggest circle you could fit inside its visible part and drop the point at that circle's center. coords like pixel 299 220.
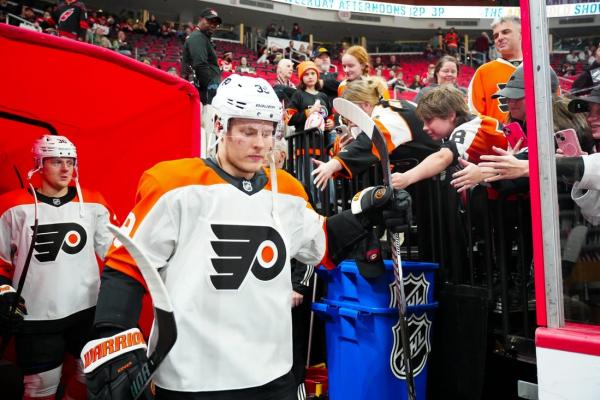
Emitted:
pixel 397 214
pixel 367 205
pixel 115 367
pixel 10 319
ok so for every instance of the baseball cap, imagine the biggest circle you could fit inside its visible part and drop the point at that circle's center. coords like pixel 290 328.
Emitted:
pixel 210 13
pixel 515 87
pixel 322 50
pixel 368 259
pixel 582 104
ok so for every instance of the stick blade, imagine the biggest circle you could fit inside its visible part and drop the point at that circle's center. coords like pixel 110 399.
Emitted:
pixel 156 286
pixel 354 113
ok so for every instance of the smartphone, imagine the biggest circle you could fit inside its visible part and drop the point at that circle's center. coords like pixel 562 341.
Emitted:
pixel 514 133
pixel 568 142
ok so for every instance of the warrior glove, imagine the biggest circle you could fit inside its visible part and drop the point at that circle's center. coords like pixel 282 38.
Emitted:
pixel 367 205
pixel 115 367
pixel 10 319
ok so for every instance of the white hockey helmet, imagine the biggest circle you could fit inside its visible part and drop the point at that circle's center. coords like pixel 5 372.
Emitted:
pixel 246 97
pixel 51 146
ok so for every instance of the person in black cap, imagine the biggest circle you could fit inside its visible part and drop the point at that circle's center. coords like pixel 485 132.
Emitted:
pixel 590 77
pixel 328 80
pixel 591 105
pixel 199 54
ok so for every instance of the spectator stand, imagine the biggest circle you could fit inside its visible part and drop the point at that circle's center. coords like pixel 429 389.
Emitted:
pixel 12 19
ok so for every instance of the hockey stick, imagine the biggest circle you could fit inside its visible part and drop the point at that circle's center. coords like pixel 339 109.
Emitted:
pixel 361 119
pixel 10 373
pixel 25 270
pixel 163 312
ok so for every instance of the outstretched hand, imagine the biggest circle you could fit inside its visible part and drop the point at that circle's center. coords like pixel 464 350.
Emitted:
pixel 324 171
pixel 503 166
pixel 468 177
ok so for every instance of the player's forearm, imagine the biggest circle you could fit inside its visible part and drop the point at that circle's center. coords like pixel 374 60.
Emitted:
pixel 119 302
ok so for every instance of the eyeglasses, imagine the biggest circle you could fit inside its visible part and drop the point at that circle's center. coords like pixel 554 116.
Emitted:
pixel 60 162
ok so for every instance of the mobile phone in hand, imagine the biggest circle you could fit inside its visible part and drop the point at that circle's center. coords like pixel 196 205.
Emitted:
pixel 514 133
pixel 568 142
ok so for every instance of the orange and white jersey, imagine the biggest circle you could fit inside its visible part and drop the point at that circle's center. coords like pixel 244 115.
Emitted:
pixel 394 127
pixel 224 254
pixel 63 276
pixel 475 138
pixel 487 80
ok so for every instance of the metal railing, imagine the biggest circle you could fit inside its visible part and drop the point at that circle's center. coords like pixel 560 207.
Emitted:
pixel 481 239
pixel 22 23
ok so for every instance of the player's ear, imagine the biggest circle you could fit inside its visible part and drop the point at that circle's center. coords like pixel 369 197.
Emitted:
pixel 218 127
pixel 452 116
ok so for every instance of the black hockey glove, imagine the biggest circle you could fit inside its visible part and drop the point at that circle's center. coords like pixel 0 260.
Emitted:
pixel 10 321
pixel 367 205
pixel 397 214
pixel 570 169
pixel 115 367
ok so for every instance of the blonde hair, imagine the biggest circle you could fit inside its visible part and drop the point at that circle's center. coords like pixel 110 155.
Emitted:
pixel 441 102
pixel 280 145
pixel 369 90
pixel 362 56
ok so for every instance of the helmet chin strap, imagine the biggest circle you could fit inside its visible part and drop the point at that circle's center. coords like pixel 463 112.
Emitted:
pixel 274 187
pixel 77 187
pixel 79 194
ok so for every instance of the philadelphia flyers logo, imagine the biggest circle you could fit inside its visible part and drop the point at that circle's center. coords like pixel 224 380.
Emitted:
pixel 243 248
pixel 502 101
pixel 51 238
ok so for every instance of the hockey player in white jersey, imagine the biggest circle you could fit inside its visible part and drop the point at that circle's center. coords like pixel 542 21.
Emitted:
pixel 222 232
pixel 56 309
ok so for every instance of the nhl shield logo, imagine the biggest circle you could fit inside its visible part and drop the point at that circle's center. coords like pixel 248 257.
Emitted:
pixel 416 289
pixel 419 328
pixel 247 186
pixel 56 201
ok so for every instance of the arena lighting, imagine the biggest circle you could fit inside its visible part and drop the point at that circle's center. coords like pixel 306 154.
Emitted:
pixel 413 11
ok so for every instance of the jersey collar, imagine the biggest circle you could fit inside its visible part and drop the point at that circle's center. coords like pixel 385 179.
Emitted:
pixel 248 186
pixel 57 201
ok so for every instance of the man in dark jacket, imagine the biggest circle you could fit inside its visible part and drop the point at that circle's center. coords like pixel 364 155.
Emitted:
pixel 588 78
pixel 199 54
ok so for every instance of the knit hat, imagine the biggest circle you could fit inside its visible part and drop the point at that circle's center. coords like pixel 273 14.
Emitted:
pixel 305 66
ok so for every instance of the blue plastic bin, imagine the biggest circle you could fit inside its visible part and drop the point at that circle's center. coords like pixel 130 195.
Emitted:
pixel 345 283
pixel 364 350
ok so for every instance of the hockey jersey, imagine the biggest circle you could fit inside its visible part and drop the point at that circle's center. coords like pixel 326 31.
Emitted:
pixel 63 276
pixel 71 19
pixel 223 247
pixel 403 133
pixel 475 138
pixel 487 80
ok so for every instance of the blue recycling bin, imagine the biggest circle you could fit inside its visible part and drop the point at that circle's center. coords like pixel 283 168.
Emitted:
pixel 346 284
pixel 364 350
